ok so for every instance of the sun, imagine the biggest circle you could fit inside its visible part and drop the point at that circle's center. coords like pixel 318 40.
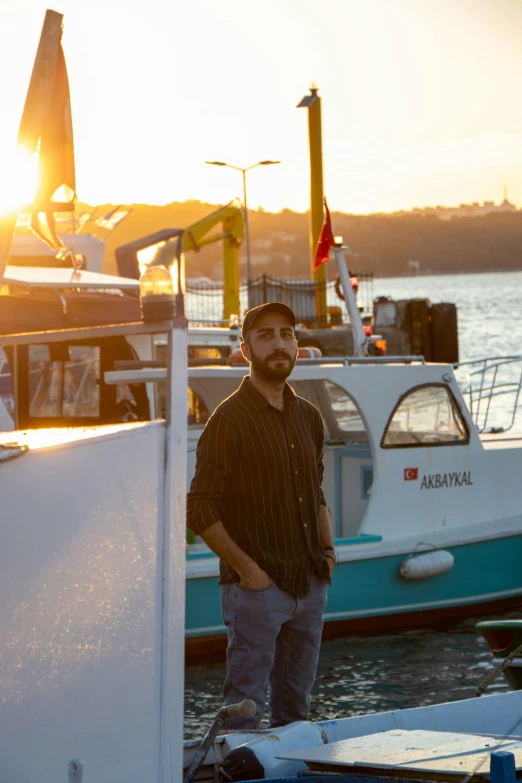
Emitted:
pixel 18 180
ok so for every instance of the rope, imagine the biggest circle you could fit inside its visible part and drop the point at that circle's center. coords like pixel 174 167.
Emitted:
pixel 498 670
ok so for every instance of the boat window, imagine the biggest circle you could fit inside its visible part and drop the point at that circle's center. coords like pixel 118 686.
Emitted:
pixel 64 381
pixel 6 384
pixel 197 410
pixel 426 416
pixel 346 413
pixel 208 351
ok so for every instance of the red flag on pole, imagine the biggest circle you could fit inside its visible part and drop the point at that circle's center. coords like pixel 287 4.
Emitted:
pixel 326 239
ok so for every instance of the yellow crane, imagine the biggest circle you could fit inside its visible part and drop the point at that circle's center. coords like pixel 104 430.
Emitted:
pixel 229 217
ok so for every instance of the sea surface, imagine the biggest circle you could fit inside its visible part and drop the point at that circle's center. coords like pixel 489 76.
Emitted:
pixel 443 663
pixel 489 307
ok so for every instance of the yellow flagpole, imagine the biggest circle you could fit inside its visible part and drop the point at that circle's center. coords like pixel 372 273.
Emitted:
pixel 313 103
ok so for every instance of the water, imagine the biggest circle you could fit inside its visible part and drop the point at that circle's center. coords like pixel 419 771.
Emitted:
pixel 489 307
pixel 357 675
pixel 489 321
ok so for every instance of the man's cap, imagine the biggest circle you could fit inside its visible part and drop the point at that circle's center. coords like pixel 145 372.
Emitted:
pixel 253 314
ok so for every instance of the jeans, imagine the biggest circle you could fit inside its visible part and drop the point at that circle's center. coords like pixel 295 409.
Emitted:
pixel 273 638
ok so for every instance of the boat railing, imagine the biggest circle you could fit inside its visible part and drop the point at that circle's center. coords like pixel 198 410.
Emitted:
pixel 492 386
pixel 317 361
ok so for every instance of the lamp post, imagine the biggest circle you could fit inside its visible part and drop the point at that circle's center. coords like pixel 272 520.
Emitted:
pixel 244 171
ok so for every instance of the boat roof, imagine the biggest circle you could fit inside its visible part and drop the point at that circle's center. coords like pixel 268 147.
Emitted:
pixel 52 277
pixel 315 369
pixel 30 243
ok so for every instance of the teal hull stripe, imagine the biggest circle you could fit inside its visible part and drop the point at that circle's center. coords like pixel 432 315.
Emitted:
pixel 364 538
pixel 483 571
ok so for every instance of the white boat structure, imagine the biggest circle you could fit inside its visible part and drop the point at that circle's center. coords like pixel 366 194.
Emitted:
pixel 93 579
pixel 449 741
pixel 27 250
pixel 93 558
pixel 93 570
pixel 427 512
pixel 427 509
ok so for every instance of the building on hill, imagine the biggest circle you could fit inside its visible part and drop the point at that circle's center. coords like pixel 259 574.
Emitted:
pixel 475 209
pixel 506 206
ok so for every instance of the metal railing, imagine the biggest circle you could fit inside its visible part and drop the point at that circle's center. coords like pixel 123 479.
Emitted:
pixel 493 391
pixel 204 300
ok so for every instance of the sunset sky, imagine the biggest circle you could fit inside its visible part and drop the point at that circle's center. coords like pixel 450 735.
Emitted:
pixel 421 101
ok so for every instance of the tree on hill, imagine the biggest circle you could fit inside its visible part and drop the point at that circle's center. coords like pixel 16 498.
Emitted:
pixel 382 243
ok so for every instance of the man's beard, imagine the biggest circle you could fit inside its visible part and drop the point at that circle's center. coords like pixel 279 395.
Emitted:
pixel 276 371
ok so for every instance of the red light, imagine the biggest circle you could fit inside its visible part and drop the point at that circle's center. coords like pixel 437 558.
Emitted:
pixel 236 357
pixel 381 347
pixel 368 331
pixel 309 352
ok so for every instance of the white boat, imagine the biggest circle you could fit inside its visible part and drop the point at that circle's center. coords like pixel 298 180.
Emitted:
pixel 446 741
pixel 427 510
pixel 28 250
pixel 93 574
pixel 93 579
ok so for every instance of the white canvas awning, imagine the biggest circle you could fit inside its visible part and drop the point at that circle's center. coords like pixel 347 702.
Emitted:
pixel 50 277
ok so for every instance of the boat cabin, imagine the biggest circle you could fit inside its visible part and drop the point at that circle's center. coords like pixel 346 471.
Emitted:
pixel 421 503
pixel 378 416
pixel 60 384
pixel 405 422
pixel 399 420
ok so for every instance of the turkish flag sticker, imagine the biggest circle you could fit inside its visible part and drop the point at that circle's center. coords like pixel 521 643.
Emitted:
pixel 411 474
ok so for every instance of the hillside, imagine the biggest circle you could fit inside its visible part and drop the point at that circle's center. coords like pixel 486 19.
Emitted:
pixel 384 243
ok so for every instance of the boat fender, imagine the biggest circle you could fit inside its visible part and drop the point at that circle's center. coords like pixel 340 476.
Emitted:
pixel 426 565
pixel 240 764
pixel 268 745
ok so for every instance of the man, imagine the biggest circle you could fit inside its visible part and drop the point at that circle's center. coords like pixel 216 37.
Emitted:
pixel 256 500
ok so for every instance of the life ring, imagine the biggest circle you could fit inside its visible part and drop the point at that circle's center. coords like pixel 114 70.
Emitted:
pixel 354 282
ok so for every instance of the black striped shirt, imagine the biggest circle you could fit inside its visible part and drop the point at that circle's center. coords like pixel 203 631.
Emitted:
pixel 259 471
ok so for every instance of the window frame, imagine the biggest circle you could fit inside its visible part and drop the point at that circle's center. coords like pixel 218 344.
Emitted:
pixel 454 404
pixel 19 364
pixel 336 433
pixel 197 425
pixel 95 418
pixel 364 470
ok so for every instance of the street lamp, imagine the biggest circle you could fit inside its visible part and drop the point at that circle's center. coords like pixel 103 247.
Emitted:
pixel 244 171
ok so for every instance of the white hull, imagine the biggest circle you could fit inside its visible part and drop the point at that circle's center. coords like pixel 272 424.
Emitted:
pixel 80 572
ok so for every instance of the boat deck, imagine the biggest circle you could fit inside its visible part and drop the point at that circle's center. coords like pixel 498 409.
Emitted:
pixel 423 755
pixel 491 441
